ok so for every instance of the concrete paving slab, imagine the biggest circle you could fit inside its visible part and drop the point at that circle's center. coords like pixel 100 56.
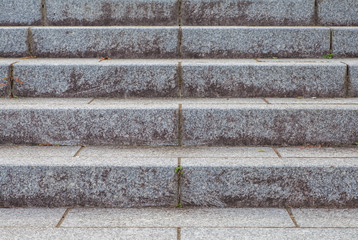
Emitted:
pixel 267 234
pixel 89 233
pixel 160 217
pixel 30 217
pixel 345 218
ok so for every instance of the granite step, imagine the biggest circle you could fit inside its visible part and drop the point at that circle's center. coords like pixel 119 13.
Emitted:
pixel 178 42
pixel 94 176
pixel 153 78
pixel 164 121
pixel 174 12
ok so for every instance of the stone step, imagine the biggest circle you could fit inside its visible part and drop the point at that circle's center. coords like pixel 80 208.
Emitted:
pixel 177 42
pixel 45 176
pixel 236 121
pixel 180 77
pixel 174 12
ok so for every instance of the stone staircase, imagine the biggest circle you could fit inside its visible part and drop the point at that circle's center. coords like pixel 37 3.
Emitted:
pixel 237 103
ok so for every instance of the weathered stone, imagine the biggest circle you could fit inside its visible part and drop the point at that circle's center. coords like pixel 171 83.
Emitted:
pixel 352 76
pixel 170 218
pixel 31 217
pixel 75 181
pixel 248 12
pixel 5 83
pixel 271 124
pixel 89 233
pixel 20 12
pixel 345 41
pixel 344 218
pixel 112 12
pixel 91 78
pixel 71 123
pixel 258 42
pixel 243 182
pixel 267 233
pixel 38 151
pixel 113 42
pixel 280 78
pixel 338 12
pixel 318 152
pixel 13 42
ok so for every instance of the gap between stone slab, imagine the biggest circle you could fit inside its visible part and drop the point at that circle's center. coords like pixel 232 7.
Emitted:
pixel 63 217
pixel 91 101
pixel 277 153
pixel 178 233
pixel 79 151
pixel 180 79
pixel 30 42
pixel 44 20
pixel 265 100
pixel 347 82
pixel 292 217
pixel 12 79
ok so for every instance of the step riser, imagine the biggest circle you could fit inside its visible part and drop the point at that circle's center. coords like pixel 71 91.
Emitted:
pixel 86 126
pixel 120 78
pixel 275 126
pixel 104 185
pixel 198 124
pixel 131 182
pixel 193 12
pixel 167 42
pixel 264 186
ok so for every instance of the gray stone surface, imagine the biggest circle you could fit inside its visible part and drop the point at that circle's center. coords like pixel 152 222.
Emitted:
pixel 271 124
pixel 112 12
pixel 91 78
pixel 326 217
pixel 5 90
pixel 20 12
pixel 263 79
pixel 313 101
pixel 94 182
pixel 30 217
pixel 267 234
pixel 71 123
pixel 113 42
pixel 13 42
pixel 196 152
pixel 248 42
pixel 318 152
pixel 38 151
pixel 248 12
pixel 345 41
pixel 353 76
pixel 161 217
pixel 338 12
pixel 89 233
pixel 269 183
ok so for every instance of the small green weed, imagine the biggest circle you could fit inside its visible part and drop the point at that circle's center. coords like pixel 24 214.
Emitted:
pixel 356 144
pixel 179 205
pixel 329 56
pixel 179 170
pixel 274 57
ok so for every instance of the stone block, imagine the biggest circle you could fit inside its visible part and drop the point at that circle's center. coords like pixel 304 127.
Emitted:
pixel 113 42
pixel 337 12
pixel 93 182
pixel 112 12
pixel 92 78
pixel 272 124
pixel 20 12
pixel 74 123
pixel 255 42
pixel 13 42
pixel 244 182
pixel 248 12
pixel 263 79
pixel 345 41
